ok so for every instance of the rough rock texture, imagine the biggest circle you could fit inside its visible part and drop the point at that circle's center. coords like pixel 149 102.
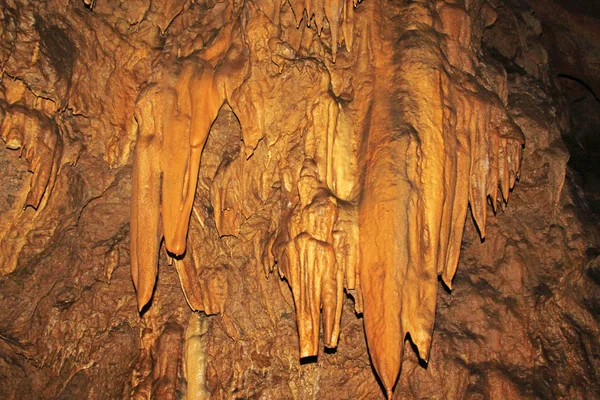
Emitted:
pixel 305 161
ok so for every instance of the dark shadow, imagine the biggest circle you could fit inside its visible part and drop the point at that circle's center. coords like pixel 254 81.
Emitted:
pixel 148 304
pixel 351 297
pixel 381 386
pixel 422 363
pixel 446 288
pixel 309 360
pixel 475 223
pixel 583 144
pixel 176 257
pixel 582 83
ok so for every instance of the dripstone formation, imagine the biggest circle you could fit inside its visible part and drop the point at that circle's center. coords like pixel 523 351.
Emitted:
pixel 399 132
pixel 260 199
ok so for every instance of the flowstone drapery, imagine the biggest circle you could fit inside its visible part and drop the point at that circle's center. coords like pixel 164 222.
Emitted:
pixel 368 130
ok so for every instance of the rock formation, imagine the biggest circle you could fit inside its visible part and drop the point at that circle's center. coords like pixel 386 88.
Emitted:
pixel 223 193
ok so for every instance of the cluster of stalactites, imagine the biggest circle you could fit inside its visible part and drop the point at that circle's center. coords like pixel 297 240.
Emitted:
pixel 174 118
pixel 446 143
pixel 337 14
pixel 37 139
pixel 318 256
pixel 456 146
pixel 174 114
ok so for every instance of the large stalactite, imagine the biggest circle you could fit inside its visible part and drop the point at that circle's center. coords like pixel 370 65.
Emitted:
pixel 281 161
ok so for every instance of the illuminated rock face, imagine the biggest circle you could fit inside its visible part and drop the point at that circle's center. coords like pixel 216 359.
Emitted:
pixel 306 171
pixel 399 133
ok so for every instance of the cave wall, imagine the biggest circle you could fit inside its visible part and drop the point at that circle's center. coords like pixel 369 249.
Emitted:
pixel 521 320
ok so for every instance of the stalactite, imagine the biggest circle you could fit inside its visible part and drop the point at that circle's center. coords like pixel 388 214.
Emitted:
pixel 38 140
pixel 174 116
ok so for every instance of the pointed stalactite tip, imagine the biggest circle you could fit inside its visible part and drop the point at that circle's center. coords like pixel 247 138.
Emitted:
pixel 140 306
pixel 142 300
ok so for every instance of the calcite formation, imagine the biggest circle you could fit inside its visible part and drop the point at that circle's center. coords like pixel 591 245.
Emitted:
pixel 37 139
pixel 309 167
pixel 368 130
